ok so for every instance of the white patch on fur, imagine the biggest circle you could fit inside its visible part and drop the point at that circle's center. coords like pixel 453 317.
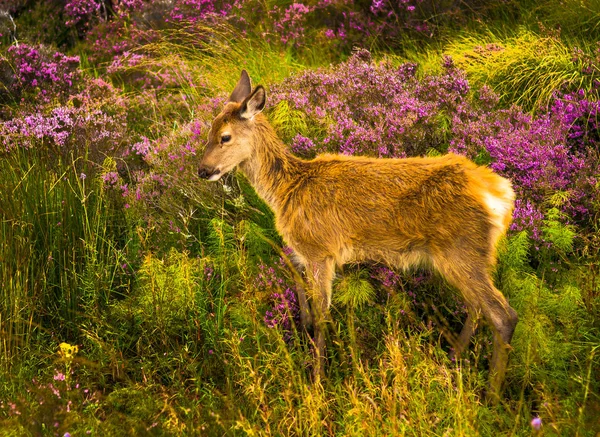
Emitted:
pixel 499 207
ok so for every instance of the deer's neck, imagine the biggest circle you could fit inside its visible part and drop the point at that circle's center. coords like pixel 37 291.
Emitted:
pixel 272 170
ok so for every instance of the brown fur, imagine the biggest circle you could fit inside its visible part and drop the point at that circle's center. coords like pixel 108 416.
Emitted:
pixel 445 212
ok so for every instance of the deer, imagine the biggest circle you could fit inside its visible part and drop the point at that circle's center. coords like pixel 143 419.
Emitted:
pixel 445 213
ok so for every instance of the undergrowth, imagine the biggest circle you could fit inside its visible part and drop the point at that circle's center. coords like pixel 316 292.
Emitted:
pixel 137 300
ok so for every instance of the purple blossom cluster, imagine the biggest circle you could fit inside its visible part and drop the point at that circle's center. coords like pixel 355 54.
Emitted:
pixel 386 276
pixel 373 109
pixel 527 217
pixel 284 312
pixel 290 22
pixel 580 112
pixel 63 129
pixel 79 10
pixel 90 121
pixel 41 74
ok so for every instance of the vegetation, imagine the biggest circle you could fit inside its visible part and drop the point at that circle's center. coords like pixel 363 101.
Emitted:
pixel 137 299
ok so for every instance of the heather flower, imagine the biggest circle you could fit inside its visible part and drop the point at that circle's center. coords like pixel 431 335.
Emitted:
pixel 284 313
pixel 93 119
pixel 65 128
pixel 372 109
pixel 536 423
pixel 110 178
pixel 386 276
pixel 527 217
pixel 42 73
pixel 143 147
pixel 289 24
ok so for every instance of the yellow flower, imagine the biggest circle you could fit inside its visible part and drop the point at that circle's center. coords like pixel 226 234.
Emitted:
pixel 68 351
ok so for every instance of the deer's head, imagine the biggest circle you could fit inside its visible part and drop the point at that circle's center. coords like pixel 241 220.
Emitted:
pixel 230 140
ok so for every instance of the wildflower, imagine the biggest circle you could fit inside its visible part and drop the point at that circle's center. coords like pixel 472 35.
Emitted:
pixel 536 423
pixel 59 376
pixel 68 351
pixel 82 176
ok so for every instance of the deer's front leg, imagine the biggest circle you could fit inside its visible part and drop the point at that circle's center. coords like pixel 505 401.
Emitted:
pixel 298 264
pixel 306 319
pixel 319 275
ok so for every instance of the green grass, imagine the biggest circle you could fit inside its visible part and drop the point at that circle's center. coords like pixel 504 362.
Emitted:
pixel 172 339
pixel 62 252
pixel 526 69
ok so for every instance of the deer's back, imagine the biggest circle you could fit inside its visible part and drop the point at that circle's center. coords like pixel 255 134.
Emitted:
pixel 398 210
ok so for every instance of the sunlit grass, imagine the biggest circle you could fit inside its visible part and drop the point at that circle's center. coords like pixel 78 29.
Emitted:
pixel 60 258
pixel 172 338
pixel 207 60
pixel 526 69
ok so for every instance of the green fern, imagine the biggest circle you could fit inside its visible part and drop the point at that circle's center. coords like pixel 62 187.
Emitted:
pixel 559 234
pixel 221 237
pixel 515 251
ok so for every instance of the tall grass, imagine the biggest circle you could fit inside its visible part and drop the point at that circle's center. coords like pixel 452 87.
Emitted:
pixel 206 60
pixel 526 69
pixel 62 249
pixel 579 19
pixel 174 342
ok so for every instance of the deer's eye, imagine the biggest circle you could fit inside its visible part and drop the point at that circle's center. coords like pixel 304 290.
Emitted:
pixel 225 138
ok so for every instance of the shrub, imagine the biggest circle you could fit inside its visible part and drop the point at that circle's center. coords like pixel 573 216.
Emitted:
pixel 373 109
pixel 90 123
pixel 37 74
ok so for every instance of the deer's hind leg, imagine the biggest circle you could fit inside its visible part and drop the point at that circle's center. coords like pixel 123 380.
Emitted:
pixel 460 343
pixel 476 286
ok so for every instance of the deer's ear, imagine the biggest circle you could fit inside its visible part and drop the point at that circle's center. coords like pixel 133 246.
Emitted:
pixel 254 103
pixel 242 89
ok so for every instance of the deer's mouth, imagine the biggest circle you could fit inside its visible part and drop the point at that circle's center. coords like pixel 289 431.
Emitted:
pixel 210 174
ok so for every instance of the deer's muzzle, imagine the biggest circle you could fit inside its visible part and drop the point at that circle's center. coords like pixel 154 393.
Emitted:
pixel 212 174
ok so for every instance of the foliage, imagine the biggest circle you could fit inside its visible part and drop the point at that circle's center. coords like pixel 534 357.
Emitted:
pixel 512 65
pixel 375 109
pixel 136 299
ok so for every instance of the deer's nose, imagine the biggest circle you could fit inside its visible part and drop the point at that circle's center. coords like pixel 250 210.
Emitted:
pixel 207 172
